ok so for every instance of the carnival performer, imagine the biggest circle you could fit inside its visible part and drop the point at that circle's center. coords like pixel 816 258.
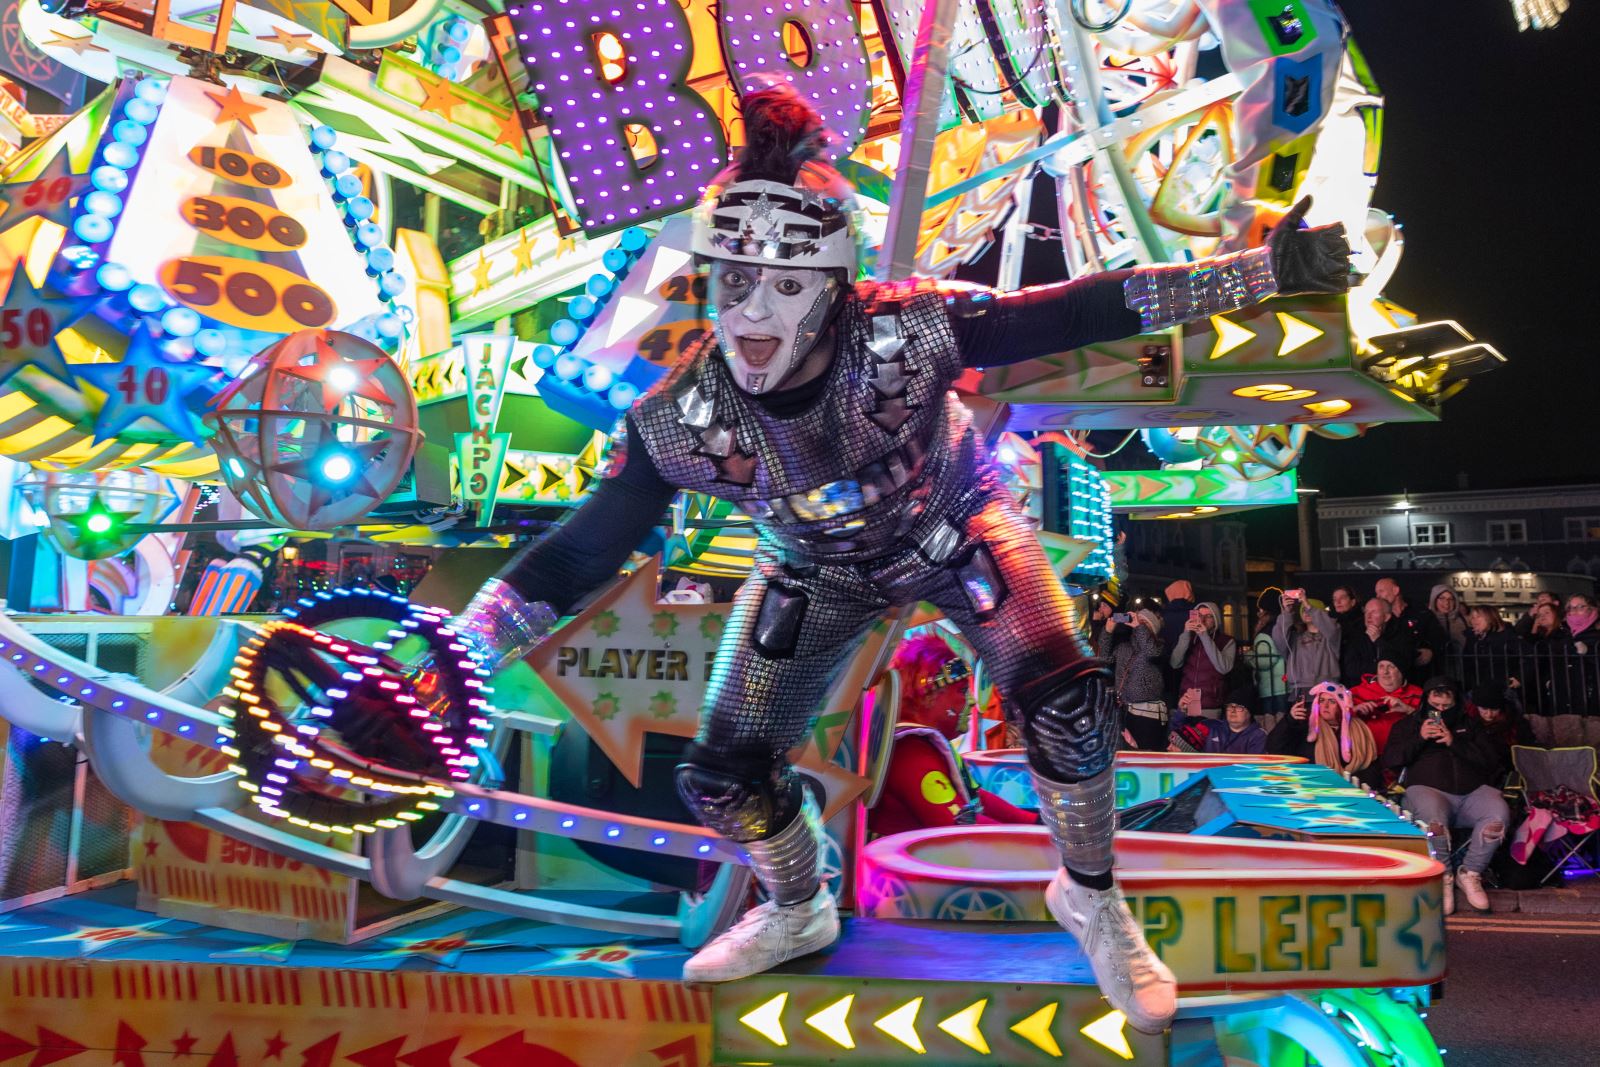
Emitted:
pixel 823 409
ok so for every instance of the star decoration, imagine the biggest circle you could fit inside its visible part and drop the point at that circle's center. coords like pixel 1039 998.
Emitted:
pixel 28 336
pixel 763 210
pixel 150 847
pixel 1424 933
pixel 522 254
pixel 78 45
pixel 480 274
pixel 362 455
pixel 339 377
pixel 291 42
pixel 510 132
pixel 184 1044
pixel 664 624
pixel 440 98
pixel 443 951
pixel 275 1046
pixel 711 626
pixel 234 106
pixel 145 384
pixel 606 706
pixel 605 624
pixel 44 196
pixel 93 939
pixel 617 959
pixel 663 705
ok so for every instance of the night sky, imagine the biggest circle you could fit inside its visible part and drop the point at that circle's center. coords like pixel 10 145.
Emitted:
pixel 1484 128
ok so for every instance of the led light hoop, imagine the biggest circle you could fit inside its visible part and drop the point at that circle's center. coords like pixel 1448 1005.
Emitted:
pixel 364 749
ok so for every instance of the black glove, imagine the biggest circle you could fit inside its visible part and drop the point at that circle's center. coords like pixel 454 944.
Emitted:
pixel 1315 260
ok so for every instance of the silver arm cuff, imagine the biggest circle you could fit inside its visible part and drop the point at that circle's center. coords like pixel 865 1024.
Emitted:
pixel 1082 819
pixel 789 864
pixel 503 625
pixel 1176 293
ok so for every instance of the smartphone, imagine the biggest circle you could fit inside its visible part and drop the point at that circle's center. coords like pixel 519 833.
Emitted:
pixel 1124 617
pixel 1435 716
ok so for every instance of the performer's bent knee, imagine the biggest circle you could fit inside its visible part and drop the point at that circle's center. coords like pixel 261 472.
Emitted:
pixel 1070 726
pixel 742 798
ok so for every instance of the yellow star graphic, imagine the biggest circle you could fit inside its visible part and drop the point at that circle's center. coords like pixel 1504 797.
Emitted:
pixel 523 252
pixel 440 97
pixel 480 275
pixel 511 132
pixel 233 106
pixel 291 42
pixel 80 45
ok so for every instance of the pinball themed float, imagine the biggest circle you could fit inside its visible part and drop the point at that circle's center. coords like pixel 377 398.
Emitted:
pixel 317 308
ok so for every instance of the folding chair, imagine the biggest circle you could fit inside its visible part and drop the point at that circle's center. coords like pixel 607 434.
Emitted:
pixel 1538 769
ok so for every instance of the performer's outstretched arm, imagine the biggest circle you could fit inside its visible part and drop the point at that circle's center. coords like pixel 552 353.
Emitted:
pixel 994 328
pixel 515 609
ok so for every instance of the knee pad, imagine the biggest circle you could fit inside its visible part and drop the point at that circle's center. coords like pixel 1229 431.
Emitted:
pixel 742 799
pixel 1070 729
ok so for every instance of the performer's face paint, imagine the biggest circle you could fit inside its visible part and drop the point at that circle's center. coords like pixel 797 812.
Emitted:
pixel 768 319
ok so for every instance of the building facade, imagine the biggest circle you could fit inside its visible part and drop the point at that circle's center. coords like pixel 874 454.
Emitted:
pixel 1500 544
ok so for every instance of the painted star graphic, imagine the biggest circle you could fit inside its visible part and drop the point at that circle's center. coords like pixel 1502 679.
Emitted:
pixel 711 626
pixel 93 939
pixel 145 384
pixel 480 275
pixel 234 106
pixel 291 42
pixel 664 624
pixel 617 959
pixel 48 195
pixel 441 98
pixel 184 1044
pixel 605 623
pixel 522 254
pixel 1424 933
pixel 663 705
pixel 606 706
pixel 28 326
pixel 443 951
pixel 510 132
pixel 275 1046
pixel 78 45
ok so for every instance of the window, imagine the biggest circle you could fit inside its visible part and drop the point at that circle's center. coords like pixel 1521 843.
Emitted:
pixel 1430 533
pixel 1361 537
pixel 1507 531
pixel 1583 528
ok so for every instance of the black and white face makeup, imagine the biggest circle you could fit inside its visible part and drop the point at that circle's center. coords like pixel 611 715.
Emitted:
pixel 768 319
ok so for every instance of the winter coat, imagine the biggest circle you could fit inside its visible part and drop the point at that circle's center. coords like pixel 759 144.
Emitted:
pixel 1203 662
pixel 1453 627
pixel 1312 654
pixel 1359 654
pixel 1135 655
pixel 1382 721
pixel 1251 741
pixel 1471 760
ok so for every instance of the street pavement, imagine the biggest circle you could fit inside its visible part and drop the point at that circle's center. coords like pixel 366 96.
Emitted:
pixel 1523 991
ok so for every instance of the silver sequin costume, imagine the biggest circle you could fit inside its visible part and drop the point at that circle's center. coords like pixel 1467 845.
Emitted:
pixel 908 509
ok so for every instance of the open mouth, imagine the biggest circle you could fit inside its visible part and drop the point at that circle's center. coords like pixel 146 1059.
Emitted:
pixel 757 349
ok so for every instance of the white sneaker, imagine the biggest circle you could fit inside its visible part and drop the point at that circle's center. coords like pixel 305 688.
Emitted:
pixel 766 936
pixel 1450 892
pixel 1471 883
pixel 1132 977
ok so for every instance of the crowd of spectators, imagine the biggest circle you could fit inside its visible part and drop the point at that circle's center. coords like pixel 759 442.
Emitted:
pixel 1425 697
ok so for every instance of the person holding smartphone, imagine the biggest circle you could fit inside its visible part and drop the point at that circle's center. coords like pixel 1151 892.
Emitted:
pixel 1131 643
pixel 1451 769
pixel 1203 657
pixel 1308 639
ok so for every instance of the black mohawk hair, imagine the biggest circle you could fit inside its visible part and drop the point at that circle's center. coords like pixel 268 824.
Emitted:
pixel 783 133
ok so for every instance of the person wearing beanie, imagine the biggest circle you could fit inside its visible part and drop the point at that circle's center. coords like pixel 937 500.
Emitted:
pixel 1501 718
pixel 822 408
pixel 1237 733
pixel 1384 698
pixel 1451 769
